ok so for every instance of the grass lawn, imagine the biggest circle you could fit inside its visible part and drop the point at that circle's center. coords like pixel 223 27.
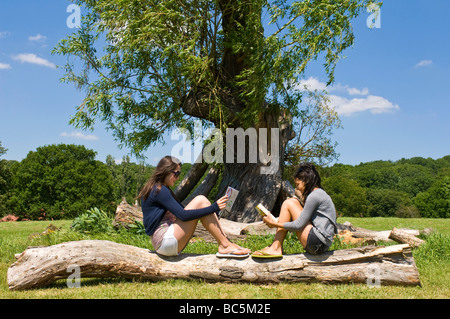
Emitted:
pixel 432 260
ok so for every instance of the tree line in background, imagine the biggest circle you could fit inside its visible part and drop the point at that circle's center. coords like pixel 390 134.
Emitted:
pixel 416 187
pixel 63 181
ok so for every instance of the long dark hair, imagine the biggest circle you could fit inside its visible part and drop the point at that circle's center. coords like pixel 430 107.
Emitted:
pixel 167 165
pixel 308 174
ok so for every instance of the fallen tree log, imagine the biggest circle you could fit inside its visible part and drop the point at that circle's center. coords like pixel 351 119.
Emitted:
pixel 41 266
pixel 403 237
pixel 373 235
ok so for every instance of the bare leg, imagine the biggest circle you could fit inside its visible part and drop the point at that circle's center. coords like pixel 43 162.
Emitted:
pixel 184 229
pixel 290 210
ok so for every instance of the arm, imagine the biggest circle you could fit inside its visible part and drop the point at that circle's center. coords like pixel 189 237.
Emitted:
pixel 271 222
pixel 166 200
pixel 311 205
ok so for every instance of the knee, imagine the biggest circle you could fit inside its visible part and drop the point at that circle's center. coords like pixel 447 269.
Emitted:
pixel 202 200
pixel 290 202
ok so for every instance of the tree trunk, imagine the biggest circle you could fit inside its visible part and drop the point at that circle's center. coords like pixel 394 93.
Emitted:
pixel 258 182
pixel 191 179
pixel 254 187
pixel 403 237
pixel 41 266
pixel 205 186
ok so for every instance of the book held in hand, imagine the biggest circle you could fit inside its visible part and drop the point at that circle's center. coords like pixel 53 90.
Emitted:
pixel 265 212
pixel 232 194
pixel 262 210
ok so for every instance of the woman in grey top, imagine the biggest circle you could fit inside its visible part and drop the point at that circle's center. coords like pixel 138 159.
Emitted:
pixel 313 219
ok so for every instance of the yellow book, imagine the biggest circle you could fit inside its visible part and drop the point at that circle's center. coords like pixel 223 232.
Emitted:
pixel 262 210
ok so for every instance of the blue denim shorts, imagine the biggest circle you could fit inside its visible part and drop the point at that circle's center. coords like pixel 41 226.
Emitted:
pixel 314 245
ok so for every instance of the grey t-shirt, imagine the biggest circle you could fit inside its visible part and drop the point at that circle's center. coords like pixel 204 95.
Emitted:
pixel 320 211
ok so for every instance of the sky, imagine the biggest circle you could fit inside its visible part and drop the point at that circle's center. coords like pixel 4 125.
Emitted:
pixel 391 90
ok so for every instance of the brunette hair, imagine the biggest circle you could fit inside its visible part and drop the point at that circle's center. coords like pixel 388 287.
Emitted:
pixel 308 174
pixel 167 165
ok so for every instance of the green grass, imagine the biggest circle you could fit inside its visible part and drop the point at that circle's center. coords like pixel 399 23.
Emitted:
pixel 432 260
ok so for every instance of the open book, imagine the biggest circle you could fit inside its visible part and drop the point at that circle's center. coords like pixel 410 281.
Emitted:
pixel 232 194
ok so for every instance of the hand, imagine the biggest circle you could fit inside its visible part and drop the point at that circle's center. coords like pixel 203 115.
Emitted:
pixel 222 202
pixel 269 221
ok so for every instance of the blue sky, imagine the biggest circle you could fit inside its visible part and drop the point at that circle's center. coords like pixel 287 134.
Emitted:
pixel 392 90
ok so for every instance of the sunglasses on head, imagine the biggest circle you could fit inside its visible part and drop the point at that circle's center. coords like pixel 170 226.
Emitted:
pixel 176 173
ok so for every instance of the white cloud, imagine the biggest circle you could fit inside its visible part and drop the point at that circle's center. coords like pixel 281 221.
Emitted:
pixel 354 91
pixel 372 103
pixel 312 84
pixel 79 135
pixel 347 106
pixel 423 63
pixel 33 59
pixel 38 37
pixel 5 66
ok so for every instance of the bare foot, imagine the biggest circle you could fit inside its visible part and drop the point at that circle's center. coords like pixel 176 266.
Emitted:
pixel 269 250
pixel 236 249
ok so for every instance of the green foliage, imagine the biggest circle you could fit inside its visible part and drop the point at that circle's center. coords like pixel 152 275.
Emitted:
pixel 386 202
pixel 314 126
pixel 436 249
pixel 137 228
pixel 128 177
pixel 435 202
pixel 349 198
pixel 4 173
pixel 93 221
pixel 406 188
pixel 60 181
pixel 5 180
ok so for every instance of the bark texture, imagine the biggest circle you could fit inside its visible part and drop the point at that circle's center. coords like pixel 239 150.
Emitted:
pixel 41 266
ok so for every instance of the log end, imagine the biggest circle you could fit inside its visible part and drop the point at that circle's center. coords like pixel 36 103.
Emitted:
pixel 403 237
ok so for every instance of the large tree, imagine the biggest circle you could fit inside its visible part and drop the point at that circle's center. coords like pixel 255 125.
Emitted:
pixel 149 66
